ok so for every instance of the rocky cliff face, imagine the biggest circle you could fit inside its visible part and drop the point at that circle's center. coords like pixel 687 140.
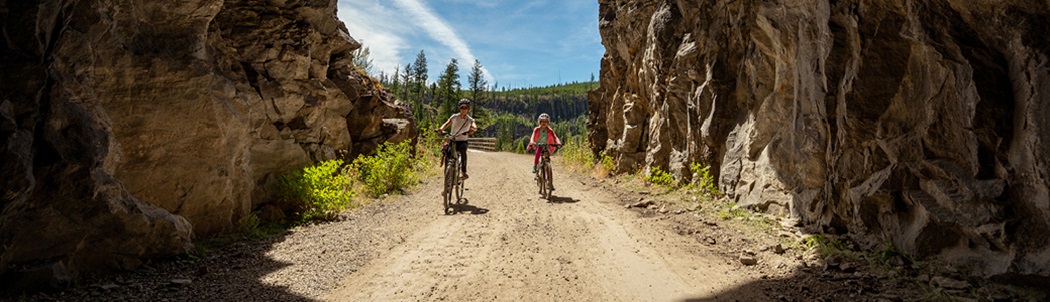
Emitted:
pixel 127 126
pixel 919 122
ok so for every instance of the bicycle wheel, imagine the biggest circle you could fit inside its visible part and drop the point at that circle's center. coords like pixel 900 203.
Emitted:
pixel 450 182
pixel 541 179
pixel 548 179
pixel 459 188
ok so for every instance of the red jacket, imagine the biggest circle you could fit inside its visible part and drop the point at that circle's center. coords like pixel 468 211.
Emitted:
pixel 552 139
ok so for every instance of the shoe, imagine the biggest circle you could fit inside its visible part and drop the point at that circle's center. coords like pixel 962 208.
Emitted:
pixel 552 186
pixel 464 176
pixel 533 169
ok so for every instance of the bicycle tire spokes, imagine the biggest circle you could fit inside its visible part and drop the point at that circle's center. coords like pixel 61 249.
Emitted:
pixel 451 178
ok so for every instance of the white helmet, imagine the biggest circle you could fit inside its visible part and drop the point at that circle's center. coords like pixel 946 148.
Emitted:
pixel 544 117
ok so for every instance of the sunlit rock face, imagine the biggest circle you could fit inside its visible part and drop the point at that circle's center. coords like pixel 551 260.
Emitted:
pixel 922 123
pixel 128 126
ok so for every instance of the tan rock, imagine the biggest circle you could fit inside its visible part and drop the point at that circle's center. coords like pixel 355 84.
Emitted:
pixel 127 127
pixel 915 121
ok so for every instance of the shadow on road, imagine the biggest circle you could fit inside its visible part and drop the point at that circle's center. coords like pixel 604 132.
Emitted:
pixel 560 199
pixel 227 272
pixel 464 207
pixel 819 285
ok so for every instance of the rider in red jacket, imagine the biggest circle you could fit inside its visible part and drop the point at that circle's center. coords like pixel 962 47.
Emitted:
pixel 543 135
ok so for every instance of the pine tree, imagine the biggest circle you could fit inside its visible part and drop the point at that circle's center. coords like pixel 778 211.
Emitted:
pixel 361 58
pixel 419 76
pixel 406 81
pixel 477 82
pixel 429 94
pixel 393 82
pixel 448 86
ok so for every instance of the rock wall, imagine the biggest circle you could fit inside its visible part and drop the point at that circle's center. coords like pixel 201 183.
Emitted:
pixel 922 123
pixel 128 126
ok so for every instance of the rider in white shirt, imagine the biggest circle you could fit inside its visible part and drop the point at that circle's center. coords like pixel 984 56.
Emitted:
pixel 463 124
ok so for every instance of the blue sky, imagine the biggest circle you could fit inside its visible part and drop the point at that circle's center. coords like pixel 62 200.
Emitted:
pixel 520 43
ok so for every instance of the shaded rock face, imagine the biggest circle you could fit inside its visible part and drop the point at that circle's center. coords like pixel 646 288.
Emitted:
pixel 128 126
pixel 918 122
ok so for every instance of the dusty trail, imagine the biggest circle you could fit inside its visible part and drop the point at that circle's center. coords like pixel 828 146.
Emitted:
pixel 509 245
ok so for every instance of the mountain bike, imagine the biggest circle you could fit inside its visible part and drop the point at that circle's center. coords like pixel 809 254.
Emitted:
pixel 543 172
pixel 453 184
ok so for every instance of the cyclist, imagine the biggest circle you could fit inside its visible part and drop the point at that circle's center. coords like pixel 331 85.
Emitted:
pixel 460 122
pixel 543 135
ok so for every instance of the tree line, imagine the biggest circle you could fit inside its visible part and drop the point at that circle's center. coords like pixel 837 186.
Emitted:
pixel 507 114
pixel 433 101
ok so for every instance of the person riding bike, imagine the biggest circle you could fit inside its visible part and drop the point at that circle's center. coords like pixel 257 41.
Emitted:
pixel 464 125
pixel 543 135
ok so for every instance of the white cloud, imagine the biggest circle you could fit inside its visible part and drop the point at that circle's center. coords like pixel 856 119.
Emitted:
pixel 478 3
pixel 439 30
pixel 369 23
pixel 387 32
pixel 527 42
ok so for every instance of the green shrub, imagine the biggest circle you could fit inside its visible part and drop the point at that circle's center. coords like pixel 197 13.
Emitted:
pixel 316 192
pixel 248 223
pixel 607 162
pixel 661 178
pixel 703 180
pixel 731 211
pixel 825 245
pixel 577 153
pixel 428 150
pixel 390 170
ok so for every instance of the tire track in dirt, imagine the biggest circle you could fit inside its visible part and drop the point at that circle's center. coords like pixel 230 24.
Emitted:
pixel 509 245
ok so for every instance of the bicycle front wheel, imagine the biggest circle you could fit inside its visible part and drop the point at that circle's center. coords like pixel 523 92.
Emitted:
pixel 541 180
pixel 459 188
pixel 547 178
pixel 450 182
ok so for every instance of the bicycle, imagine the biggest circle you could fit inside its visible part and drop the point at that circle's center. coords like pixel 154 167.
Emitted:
pixel 544 174
pixel 453 184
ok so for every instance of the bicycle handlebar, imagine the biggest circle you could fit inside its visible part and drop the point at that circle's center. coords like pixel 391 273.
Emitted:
pixel 544 147
pixel 449 136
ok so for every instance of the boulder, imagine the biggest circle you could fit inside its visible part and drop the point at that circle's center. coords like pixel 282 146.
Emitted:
pixel 920 122
pixel 129 127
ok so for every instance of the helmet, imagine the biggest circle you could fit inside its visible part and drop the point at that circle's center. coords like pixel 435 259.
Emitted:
pixel 464 102
pixel 544 117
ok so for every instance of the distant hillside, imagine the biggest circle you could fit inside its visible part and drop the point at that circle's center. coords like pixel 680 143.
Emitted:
pixel 511 114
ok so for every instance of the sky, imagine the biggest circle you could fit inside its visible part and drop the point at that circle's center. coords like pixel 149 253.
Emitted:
pixel 519 43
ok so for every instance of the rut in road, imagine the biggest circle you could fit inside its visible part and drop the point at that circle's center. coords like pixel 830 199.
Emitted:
pixel 508 244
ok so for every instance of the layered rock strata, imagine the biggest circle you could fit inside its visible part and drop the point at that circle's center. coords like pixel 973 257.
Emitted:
pixel 919 123
pixel 128 126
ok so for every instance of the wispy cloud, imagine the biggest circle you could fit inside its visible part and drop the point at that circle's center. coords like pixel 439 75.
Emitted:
pixel 527 42
pixel 440 31
pixel 384 30
pixel 369 23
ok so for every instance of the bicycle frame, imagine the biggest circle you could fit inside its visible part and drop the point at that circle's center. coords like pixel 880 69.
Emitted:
pixel 544 173
pixel 452 167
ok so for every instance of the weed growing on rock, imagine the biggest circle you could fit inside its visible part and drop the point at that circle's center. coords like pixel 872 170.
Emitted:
pixel 661 178
pixel 606 162
pixel 731 211
pixel 703 181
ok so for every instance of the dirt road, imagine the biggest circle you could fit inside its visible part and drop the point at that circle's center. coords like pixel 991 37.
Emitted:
pixel 508 244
